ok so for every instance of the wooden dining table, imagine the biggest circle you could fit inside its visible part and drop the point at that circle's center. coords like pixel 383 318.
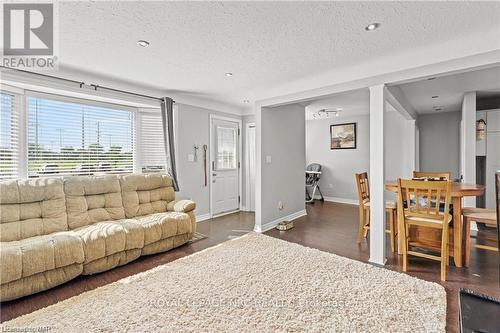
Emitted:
pixel 458 191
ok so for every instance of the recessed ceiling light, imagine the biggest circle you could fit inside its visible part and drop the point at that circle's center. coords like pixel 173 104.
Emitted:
pixel 438 109
pixel 435 96
pixel 372 26
pixel 143 43
pixel 431 78
pixel 229 74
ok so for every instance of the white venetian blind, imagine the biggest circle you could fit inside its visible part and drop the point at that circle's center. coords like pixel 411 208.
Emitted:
pixel 9 136
pixel 152 148
pixel 73 138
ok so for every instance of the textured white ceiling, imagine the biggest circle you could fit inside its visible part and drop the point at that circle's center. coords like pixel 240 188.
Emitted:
pixel 353 103
pixel 450 90
pixel 264 44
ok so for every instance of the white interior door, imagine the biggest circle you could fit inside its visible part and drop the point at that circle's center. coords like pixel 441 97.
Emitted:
pixel 251 168
pixel 225 164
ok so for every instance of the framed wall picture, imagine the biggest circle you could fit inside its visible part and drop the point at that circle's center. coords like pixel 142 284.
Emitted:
pixel 343 136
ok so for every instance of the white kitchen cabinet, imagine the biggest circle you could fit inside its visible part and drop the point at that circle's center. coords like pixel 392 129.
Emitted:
pixel 492 164
pixel 493 121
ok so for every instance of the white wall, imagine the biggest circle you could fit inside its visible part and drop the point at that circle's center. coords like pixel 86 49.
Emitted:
pixel 192 127
pixel 339 166
pixel 440 142
pixel 282 134
pixel 399 146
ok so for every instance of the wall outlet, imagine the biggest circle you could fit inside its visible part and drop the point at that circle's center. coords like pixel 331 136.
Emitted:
pixel 281 205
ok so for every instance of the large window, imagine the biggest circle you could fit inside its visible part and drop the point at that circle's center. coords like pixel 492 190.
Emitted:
pixel 50 135
pixel 71 138
pixel 9 136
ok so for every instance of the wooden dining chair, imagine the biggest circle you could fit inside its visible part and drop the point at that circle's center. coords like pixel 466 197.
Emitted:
pixel 479 215
pixel 489 217
pixel 364 211
pixel 418 207
pixel 435 175
pixel 430 174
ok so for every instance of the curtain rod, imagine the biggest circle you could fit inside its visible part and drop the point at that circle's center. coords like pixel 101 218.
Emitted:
pixel 81 84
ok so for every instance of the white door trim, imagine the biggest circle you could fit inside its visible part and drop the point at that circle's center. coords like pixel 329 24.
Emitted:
pixel 211 154
pixel 247 166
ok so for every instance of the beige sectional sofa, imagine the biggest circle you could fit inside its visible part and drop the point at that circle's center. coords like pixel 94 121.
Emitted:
pixel 54 229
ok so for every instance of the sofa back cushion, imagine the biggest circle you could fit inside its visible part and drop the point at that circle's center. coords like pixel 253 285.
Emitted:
pixel 31 207
pixel 146 194
pixel 92 199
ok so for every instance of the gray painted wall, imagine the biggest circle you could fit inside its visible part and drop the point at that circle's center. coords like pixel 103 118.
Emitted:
pixel 192 127
pixel 399 139
pixel 282 133
pixel 339 166
pixel 440 142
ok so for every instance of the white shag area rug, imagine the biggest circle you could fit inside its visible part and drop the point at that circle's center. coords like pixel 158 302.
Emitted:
pixel 254 283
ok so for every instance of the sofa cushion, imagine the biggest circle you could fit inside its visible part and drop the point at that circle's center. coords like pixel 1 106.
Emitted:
pixel 92 199
pixel 31 208
pixel 103 239
pixel 38 254
pixel 134 233
pixel 146 194
pixel 182 206
pixel 164 225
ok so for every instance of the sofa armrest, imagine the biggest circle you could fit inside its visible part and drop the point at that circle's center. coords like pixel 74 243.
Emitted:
pixel 181 206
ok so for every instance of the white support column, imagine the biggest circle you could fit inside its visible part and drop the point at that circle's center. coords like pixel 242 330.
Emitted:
pixel 469 143
pixel 417 147
pixel 377 175
pixel 258 167
pixel 411 144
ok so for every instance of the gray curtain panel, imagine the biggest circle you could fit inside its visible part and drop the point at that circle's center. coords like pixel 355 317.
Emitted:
pixel 167 118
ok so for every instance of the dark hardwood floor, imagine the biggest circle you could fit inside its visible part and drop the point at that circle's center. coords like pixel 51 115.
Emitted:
pixel 330 227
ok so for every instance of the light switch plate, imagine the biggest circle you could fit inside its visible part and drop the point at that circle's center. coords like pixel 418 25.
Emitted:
pixel 268 159
pixel 190 158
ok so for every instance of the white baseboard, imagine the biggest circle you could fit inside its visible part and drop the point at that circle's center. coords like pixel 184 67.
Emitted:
pixel 341 200
pixel 202 217
pixel 272 224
